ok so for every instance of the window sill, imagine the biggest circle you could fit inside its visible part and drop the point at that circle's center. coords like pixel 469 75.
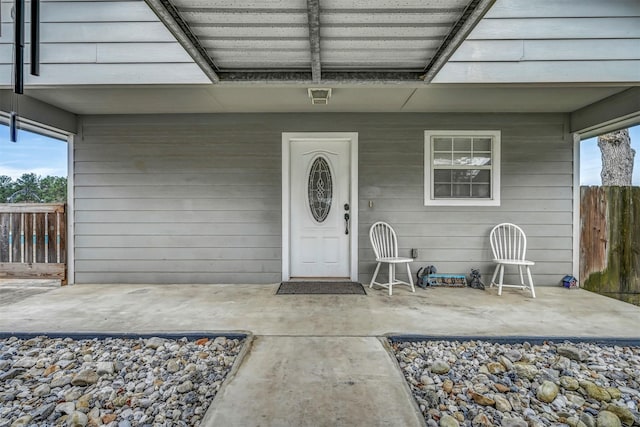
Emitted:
pixel 462 202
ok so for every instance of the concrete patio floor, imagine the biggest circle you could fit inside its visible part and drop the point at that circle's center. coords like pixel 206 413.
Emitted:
pixel 316 359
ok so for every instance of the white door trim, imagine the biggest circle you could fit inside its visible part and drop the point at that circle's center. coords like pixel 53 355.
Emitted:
pixel 347 137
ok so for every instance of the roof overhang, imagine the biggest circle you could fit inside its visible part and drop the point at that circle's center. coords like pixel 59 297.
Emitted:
pixel 337 42
pixel 119 57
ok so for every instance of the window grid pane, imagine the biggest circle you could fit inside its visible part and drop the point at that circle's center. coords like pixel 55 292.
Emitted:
pixel 461 167
pixel 442 144
pixel 461 183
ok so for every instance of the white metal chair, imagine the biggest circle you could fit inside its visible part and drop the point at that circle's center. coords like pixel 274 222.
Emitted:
pixel 509 246
pixel 385 245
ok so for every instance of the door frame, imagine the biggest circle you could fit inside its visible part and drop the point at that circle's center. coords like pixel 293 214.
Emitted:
pixel 348 138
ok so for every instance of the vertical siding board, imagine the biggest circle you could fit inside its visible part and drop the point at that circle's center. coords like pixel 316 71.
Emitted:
pixel 201 170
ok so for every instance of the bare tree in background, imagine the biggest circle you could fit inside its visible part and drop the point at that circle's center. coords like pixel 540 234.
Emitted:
pixel 617 158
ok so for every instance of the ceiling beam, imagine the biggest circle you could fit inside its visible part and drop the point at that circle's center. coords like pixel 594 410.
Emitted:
pixel 328 77
pixel 36 111
pixel 170 17
pixel 294 11
pixel 615 112
pixel 313 13
pixel 458 34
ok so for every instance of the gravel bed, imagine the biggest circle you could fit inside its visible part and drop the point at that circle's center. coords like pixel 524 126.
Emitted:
pixel 478 383
pixel 113 381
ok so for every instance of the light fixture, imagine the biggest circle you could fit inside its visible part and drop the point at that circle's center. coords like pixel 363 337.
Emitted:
pixel 319 95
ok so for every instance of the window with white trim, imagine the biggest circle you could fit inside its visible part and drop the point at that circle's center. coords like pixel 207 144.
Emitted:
pixel 462 168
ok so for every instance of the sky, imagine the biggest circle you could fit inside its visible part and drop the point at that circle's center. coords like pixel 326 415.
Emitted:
pixel 47 156
pixel 591 162
pixel 32 153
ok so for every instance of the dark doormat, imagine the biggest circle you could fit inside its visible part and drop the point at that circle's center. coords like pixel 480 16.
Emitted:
pixel 307 288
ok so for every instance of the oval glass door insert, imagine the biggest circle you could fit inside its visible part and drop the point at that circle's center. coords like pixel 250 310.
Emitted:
pixel 320 189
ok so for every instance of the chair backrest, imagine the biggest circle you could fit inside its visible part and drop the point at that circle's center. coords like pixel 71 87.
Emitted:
pixel 384 240
pixel 508 241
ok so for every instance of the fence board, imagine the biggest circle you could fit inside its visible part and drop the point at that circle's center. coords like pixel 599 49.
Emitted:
pixel 33 240
pixel 32 271
pixel 610 242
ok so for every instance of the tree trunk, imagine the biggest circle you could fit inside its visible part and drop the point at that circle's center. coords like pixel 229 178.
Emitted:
pixel 617 158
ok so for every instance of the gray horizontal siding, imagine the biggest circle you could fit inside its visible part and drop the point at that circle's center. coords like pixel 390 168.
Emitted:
pixel 121 241
pixel 601 71
pixel 555 8
pixel 88 11
pixel 519 41
pixel 100 42
pixel 547 50
pixel 98 74
pixel 619 27
pixel 196 198
pixel 89 53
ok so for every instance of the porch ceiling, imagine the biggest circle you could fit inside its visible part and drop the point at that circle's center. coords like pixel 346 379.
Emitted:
pixel 320 40
pixel 444 98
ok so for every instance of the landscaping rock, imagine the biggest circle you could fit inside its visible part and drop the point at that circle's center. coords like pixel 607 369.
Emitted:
pixel 595 392
pixel 85 378
pixel 547 392
pixel 572 352
pixel 608 419
pixel 105 368
pixel 542 389
pixel 448 421
pixel 440 367
pixel 623 413
pixel 569 383
pixel 77 419
pixel 111 381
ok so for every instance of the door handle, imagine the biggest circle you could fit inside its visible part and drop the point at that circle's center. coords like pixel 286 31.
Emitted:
pixel 346 220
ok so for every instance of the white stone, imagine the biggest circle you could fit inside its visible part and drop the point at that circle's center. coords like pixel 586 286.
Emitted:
pixel 67 356
pixel 25 362
pixel 105 368
pixel 42 390
pixel 77 419
pixel 66 408
pixel 22 421
pixel 185 387
pixel 154 342
pixel 513 422
pixel 173 366
pixel 440 367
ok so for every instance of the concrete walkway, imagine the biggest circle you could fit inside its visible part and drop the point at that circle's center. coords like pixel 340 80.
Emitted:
pixel 317 359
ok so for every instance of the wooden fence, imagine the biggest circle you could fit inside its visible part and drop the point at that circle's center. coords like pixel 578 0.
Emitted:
pixel 610 241
pixel 33 241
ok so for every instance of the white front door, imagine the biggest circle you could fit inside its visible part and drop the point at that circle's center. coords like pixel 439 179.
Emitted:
pixel 319 200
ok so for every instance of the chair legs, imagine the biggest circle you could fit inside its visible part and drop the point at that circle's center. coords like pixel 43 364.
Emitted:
pixel 521 278
pixel 533 292
pixel 392 278
pixel 500 270
pixel 413 289
pixel 375 274
pixel 495 273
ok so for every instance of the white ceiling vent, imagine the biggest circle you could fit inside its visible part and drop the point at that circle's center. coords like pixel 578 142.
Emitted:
pixel 319 96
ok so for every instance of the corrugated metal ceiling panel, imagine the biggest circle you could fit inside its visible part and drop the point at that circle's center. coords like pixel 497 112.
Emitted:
pixel 354 35
pixel 249 34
